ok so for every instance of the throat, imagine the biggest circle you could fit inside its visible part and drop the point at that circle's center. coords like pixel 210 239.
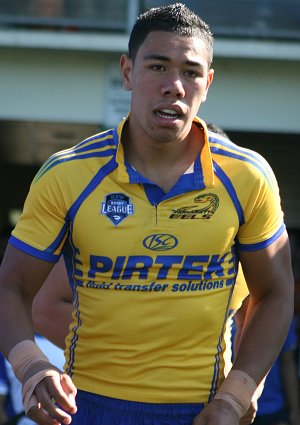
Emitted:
pixel 164 164
pixel 165 176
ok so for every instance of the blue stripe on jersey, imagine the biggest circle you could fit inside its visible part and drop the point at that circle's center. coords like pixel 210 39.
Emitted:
pixel 261 245
pixel 199 179
pixel 116 136
pixel 96 180
pixel 216 374
pixel 134 176
pixel 102 135
pixel 58 240
pixel 70 252
pixel 106 140
pixel 228 144
pixel 98 145
pixel 87 142
pixel 109 152
pixel 42 255
pixel 74 339
pixel 231 191
pixel 251 157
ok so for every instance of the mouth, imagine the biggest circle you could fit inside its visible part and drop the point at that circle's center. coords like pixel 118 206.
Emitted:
pixel 168 114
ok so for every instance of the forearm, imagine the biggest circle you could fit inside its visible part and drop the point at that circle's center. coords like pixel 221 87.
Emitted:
pixel 52 306
pixel 21 276
pixel 15 313
pixel 239 319
pixel 263 334
pixel 53 323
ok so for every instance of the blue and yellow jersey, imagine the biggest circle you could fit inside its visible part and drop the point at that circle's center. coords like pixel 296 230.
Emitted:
pixel 152 273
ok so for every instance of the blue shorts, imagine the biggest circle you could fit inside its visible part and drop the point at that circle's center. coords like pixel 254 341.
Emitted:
pixel 98 410
pixel 272 418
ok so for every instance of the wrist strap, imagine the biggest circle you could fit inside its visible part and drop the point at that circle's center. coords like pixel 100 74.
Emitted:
pixel 27 357
pixel 23 355
pixel 237 389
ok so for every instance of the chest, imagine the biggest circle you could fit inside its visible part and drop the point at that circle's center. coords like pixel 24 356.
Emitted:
pixel 116 219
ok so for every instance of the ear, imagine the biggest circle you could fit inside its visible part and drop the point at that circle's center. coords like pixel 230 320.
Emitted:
pixel 126 71
pixel 210 77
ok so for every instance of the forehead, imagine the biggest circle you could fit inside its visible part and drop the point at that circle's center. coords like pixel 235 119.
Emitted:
pixel 174 47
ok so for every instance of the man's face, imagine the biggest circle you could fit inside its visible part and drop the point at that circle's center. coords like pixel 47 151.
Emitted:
pixel 169 80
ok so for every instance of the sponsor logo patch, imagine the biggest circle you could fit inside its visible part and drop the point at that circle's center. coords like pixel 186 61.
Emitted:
pixel 160 242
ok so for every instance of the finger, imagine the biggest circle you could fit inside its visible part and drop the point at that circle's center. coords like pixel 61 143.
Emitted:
pixel 49 403
pixel 70 390
pixel 54 411
pixel 38 415
pixel 63 392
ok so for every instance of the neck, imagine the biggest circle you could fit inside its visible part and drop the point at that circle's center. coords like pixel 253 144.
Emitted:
pixel 163 163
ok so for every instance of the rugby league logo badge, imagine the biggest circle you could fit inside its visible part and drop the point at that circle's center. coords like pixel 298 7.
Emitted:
pixel 116 207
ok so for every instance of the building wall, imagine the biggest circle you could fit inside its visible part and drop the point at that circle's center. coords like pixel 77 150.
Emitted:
pixel 79 87
pixel 256 95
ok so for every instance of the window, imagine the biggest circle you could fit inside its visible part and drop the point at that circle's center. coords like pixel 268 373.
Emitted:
pixel 275 19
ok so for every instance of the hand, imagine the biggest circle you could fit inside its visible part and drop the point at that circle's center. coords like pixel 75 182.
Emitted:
pixel 56 400
pixel 217 412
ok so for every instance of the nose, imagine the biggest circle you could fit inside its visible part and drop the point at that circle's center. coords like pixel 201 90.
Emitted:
pixel 173 87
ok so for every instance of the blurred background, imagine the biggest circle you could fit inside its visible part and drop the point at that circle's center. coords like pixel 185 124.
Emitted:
pixel 60 83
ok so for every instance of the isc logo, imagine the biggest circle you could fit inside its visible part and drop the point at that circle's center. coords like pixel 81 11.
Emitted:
pixel 160 242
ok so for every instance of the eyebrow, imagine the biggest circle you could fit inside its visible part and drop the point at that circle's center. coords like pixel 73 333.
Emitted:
pixel 167 59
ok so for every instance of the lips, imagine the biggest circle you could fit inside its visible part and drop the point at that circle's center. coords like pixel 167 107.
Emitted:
pixel 170 113
pixel 167 113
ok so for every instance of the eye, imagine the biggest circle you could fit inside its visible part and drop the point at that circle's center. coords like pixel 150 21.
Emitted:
pixel 157 67
pixel 192 74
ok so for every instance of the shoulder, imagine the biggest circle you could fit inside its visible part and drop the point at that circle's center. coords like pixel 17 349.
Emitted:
pixel 223 147
pixel 239 161
pixel 81 156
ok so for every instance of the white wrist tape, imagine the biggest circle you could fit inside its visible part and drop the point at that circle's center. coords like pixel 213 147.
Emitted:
pixel 24 356
pixel 237 389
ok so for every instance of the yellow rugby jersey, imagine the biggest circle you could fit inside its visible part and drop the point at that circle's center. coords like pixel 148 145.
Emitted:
pixel 238 296
pixel 152 273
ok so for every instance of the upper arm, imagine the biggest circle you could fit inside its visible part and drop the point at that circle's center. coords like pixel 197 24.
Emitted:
pixel 56 286
pixel 52 305
pixel 269 270
pixel 23 272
